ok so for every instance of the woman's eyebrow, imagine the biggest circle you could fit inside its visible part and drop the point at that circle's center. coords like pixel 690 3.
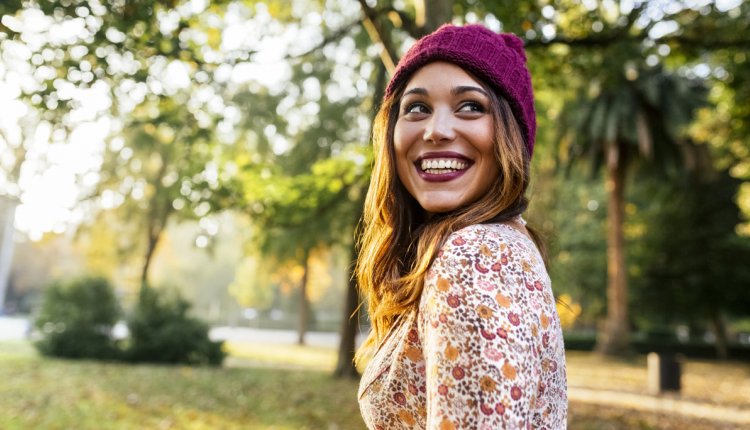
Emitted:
pixel 461 89
pixel 416 90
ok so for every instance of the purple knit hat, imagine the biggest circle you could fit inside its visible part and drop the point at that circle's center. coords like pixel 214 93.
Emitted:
pixel 497 59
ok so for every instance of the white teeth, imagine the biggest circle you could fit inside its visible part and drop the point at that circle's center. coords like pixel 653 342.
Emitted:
pixel 443 165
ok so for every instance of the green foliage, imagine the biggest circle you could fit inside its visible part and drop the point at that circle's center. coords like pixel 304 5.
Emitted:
pixel 577 263
pixel 76 319
pixel 294 156
pixel 695 266
pixel 162 331
pixel 642 112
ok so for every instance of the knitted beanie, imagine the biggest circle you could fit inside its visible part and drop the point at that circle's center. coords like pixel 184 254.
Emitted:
pixel 497 59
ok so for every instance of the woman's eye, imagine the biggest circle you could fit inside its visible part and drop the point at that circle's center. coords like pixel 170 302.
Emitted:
pixel 471 107
pixel 416 108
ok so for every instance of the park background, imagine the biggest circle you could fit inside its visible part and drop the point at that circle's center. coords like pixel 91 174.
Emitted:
pixel 209 160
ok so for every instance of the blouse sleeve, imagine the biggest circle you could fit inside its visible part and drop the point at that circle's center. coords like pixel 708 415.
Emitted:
pixel 478 335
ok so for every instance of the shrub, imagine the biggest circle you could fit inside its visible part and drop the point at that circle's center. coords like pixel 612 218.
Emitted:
pixel 76 318
pixel 161 331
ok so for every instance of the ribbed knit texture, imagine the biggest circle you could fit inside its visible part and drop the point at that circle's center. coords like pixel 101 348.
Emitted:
pixel 497 59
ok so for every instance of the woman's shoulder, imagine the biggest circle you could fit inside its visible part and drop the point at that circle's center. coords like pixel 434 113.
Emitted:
pixel 486 240
pixel 489 251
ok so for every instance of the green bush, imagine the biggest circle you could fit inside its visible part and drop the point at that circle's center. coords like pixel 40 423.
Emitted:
pixel 161 331
pixel 76 319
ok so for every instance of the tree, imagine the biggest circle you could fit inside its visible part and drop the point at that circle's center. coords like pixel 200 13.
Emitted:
pixel 298 214
pixel 637 116
pixel 694 262
pixel 141 65
pixel 164 174
pixel 261 143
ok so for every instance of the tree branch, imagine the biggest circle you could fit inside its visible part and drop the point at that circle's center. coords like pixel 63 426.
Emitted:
pixel 327 39
pixel 407 22
pixel 379 35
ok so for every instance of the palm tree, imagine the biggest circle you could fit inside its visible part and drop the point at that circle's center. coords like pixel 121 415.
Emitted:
pixel 637 117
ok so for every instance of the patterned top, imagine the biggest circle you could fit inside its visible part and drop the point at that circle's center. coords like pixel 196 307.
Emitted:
pixel 484 348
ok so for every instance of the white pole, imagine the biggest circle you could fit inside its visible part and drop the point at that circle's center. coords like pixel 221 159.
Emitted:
pixel 7 213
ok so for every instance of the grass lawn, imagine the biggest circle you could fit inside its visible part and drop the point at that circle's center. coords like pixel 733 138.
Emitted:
pixel 41 393
pixel 286 387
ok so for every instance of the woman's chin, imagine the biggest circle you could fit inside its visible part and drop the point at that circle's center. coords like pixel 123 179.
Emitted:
pixel 433 208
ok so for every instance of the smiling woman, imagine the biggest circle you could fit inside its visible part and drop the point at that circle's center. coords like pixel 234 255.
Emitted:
pixel 444 138
pixel 465 334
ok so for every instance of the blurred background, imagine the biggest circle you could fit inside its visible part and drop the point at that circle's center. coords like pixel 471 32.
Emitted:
pixel 182 180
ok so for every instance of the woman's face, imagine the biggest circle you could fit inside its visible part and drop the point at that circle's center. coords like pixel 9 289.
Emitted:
pixel 444 138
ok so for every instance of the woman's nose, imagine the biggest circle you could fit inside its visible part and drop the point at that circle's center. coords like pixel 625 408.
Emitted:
pixel 439 128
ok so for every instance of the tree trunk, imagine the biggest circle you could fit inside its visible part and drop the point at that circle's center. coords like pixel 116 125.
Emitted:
pixel 350 323
pixel 720 331
pixel 345 367
pixel 614 337
pixel 160 208
pixel 434 13
pixel 304 305
pixel 153 240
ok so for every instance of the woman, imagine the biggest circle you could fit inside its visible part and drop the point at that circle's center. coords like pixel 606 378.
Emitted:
pixel 465 333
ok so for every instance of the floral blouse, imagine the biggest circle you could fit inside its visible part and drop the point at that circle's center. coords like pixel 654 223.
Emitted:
pixel 484 348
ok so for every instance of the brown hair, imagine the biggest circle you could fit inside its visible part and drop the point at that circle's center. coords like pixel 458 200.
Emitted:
pixel 398 243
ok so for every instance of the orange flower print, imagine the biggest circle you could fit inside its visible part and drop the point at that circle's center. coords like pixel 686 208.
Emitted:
pixel 485 312
pixel 406 417
pixel 484 250
pixel 451 352
pixel 509 371
pixel 487 384
pixel 545 320
pixel 445 424
pixel 502 300
pixel 443 284
pixel 413 354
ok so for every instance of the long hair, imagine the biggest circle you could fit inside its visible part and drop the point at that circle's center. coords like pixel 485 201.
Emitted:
pixel 398 242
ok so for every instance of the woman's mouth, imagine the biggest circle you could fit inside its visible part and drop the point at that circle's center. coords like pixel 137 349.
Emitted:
pixel 442 166
pixel 439 166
